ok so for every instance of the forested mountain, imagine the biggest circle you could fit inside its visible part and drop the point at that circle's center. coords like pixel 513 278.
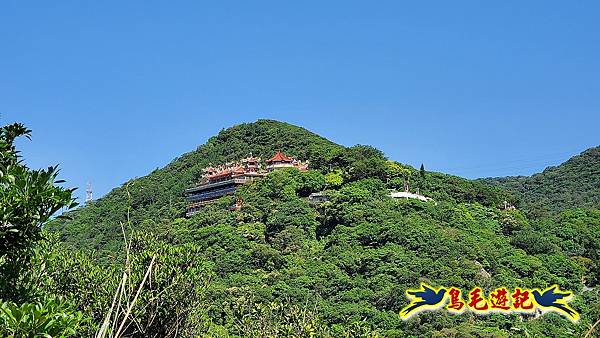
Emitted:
pixel 575 183
pixel 283 266
pixel 159 197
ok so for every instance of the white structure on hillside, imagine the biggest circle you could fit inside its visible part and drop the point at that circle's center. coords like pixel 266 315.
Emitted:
pixel 407 195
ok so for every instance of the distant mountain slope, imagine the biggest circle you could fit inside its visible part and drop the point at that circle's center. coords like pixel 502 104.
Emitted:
pixel 575 183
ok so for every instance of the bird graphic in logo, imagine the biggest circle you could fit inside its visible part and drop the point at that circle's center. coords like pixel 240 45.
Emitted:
pixel 424 298
pixel 552 299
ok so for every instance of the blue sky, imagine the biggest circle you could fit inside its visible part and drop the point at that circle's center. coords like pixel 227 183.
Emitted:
pixel 115 89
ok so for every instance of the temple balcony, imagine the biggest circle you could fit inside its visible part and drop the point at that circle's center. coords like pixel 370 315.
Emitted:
pixel 212 185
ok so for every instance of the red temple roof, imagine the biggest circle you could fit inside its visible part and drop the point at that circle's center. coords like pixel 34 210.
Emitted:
pixel 219 174
pixel 280 157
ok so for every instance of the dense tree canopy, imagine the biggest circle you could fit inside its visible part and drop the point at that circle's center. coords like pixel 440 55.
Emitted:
pixel 283 265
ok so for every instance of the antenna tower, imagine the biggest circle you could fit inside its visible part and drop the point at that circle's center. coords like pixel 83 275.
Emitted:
pixel 88 193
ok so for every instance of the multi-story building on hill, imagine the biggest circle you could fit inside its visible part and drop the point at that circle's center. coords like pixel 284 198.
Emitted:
pixel 280 161
pixel 226 178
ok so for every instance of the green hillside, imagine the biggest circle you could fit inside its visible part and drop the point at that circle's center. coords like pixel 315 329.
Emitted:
pixel 282 266
pixel 575 183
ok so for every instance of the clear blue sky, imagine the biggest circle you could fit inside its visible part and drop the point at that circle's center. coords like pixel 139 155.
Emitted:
pixel 115 89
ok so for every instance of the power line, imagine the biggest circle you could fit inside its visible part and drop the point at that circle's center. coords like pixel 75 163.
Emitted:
pixel 526 163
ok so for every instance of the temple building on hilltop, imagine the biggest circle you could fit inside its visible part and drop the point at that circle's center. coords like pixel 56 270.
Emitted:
pixel 280 161
pixel 222 180
pixel 226 178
